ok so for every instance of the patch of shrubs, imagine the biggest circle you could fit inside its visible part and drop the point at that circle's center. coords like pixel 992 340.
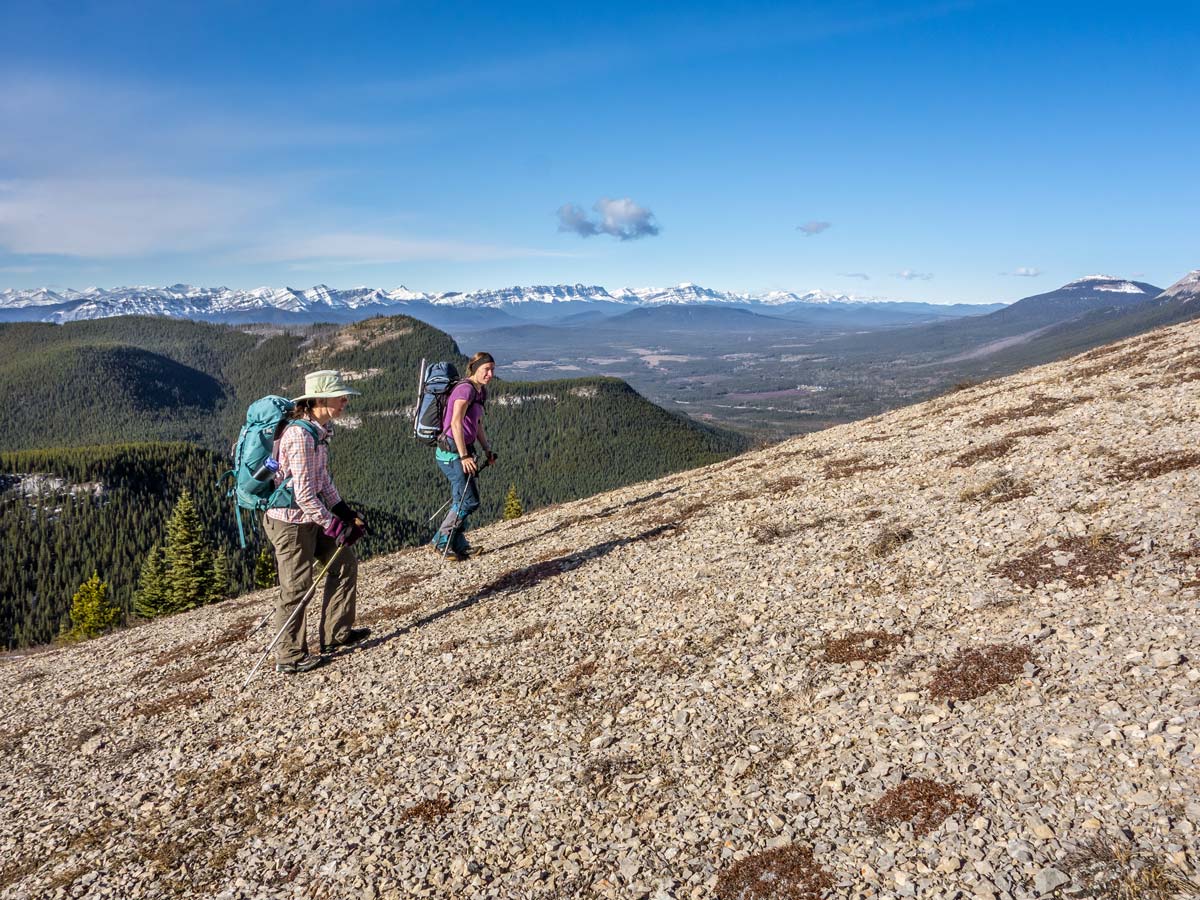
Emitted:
pixel 1079 561
pixel 782 873
pixel 920 802
pixel 973 672
pixel 868 646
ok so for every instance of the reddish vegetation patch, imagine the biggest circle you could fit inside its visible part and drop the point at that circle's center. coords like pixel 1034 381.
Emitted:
pixel 1034 431
pixel 921 802
pixel 1039 405
pixel 994 450
pixel 194 648
pixel 527 632
pixel 379 613
pixel 1153 466
pixel 784 484
pixel 187 676
pixel 235 631
pixel 166 704
pixel 427 810
pixel 974 672
pixel 870 646
pixel 449 646
pixel 403 582
pixel 1086 559
pixel 849 466
pixel 557 553
pixel 783 873
pixel 872 514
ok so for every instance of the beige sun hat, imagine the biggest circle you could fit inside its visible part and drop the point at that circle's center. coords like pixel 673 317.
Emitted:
pixel 324 384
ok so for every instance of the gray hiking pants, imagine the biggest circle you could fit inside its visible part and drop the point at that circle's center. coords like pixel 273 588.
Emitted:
pixel 298 550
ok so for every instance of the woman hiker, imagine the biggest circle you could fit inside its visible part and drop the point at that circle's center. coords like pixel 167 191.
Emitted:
pixel 462 426
pixel 314 528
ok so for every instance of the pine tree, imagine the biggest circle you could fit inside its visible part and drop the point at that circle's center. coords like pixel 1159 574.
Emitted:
pixel 152 597
pixel 190 560
pixel 92 613
pixel 219 589
pixel 512 504
pixel 264 569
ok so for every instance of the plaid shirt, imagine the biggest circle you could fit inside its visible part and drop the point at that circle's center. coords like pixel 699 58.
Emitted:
pixel 307 462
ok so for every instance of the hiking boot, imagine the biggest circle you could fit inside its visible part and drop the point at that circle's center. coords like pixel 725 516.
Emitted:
pixel 305 663
pixel 353 636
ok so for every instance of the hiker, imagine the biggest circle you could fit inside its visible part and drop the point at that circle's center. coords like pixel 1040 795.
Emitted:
pixel 462 426
pixel 314 528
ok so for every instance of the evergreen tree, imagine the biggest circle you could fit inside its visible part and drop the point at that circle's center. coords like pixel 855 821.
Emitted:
pixel 152 597
pixel 219 589
pixel 512 504
pixel 92 613
pixel 190 560
pixel 264 569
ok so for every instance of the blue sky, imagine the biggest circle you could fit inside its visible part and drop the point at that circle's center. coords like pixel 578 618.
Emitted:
pixel 940 151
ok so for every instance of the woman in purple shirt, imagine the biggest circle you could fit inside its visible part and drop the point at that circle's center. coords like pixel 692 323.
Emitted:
pixel 461 428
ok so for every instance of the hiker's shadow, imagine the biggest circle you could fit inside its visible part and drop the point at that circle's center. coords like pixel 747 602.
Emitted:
pixel 526 577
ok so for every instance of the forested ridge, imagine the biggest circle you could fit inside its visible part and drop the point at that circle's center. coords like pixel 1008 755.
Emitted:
pixel 146 408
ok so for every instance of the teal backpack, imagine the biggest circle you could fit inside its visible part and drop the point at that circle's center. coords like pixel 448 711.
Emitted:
pixel 265 421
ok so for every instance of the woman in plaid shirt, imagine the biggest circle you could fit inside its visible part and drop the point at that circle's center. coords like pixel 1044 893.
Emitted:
pixel 313 528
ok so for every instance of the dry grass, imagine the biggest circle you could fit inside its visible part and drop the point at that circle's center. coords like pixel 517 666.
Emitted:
pixel 868 646
pixel 872 514
pixel 30 676
pixel 889 540
pixel 782 873
pixel 920 802
pixel 236 631
pixel 527 632
pixel 427 810
pixel 1038 405
pixel 449 646
pixel 186 676
pixel 603 770
pixel 1145 467
pixel 974 672
pixel 1033 431
pixel 183 651
pixel 1115 870
pixel 1086 560
pixel 984 452
pixel 999 490
pixel 403 582
pixel 849 466
pixel 162 705
pixel 391 611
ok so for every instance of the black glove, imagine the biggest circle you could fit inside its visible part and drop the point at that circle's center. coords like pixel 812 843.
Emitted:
pixel 492 456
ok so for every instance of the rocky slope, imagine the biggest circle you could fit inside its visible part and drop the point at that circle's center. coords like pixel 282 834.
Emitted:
pixel 948 652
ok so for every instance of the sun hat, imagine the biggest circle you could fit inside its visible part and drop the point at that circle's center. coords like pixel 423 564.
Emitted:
pixel 324 384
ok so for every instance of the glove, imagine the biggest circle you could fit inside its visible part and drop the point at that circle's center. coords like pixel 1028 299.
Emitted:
pixel 342 510
pixel 338 530
pixel 492 456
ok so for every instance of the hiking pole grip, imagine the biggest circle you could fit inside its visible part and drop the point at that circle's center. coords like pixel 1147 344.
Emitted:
pixel 308 595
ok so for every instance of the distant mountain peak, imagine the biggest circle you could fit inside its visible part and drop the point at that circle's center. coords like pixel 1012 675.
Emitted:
pixel 1106 283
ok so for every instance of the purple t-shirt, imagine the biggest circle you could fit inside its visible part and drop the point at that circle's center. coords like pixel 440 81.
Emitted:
pixel 471 419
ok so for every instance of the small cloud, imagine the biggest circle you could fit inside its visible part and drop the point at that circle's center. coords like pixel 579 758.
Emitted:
pixel 910 275
pixel 622 219
pixel 1024 272
pixel 863 275
pixel 811 228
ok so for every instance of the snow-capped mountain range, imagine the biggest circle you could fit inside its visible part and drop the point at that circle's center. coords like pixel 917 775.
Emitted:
pixel 186 301
pixel 322 302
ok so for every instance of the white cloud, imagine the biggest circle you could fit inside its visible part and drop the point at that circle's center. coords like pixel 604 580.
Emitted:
pixel 811 228
pixel 1024 272
pixel 862 275
pixel 910 275
pixel 622 219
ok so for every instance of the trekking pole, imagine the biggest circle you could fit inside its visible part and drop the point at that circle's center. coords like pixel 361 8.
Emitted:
pixel 299 606
pixel 461 498
pixel 439 510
